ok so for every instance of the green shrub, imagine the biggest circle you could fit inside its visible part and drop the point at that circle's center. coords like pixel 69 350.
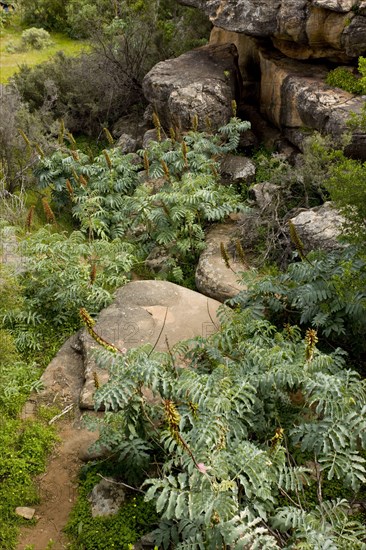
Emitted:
pixel 5 17
pixel 181 193
pixel 76 272
pixel 48 14
pixel 325 291
pixel 35 38
pixel 341 77
pixel 344 78
pixel 234 431
pixel 347 188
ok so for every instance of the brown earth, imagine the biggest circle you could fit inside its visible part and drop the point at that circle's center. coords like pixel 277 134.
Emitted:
pixel 62 381
pixel 57 490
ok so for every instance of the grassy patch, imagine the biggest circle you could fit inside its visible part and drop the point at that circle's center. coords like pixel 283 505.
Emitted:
pixel 120 531
pixel 10 62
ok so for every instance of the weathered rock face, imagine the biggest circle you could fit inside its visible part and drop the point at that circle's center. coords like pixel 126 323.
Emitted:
pixel 294 96
pixel 319 227
pixel 201 82
pixel 147 312
pixel 301 29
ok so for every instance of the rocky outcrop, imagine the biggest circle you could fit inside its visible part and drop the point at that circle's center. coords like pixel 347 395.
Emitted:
pixel 294 96
pixel 319 227
pixel 201 82
pixel 300 29
pixel 213 277
pixel 147 312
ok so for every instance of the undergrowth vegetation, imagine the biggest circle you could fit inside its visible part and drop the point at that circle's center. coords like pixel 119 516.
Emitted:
pixel 259 441
pixel 255 416
pixel 135 518
pixel 345 78
pixel 24 442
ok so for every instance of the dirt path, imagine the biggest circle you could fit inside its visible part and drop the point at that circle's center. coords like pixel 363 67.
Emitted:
pixel 58 490
pixel 62 381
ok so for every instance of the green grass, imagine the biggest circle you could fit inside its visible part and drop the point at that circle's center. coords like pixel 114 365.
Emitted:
pixel 10 62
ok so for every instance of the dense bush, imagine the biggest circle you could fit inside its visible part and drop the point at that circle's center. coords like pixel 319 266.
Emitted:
pixel 88 92
pixel 166 206
pixel 127 39
pixel 325 291
pixel 49 14
pixel 254 417
pixel 62 274
pixel 35 38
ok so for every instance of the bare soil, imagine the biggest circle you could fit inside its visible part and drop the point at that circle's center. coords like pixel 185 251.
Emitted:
pixel 62 381
pixel 57 490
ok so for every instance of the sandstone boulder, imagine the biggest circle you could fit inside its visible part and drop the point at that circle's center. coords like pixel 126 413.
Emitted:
pixel 294 96
pixel 132 125
pixel 213 277
pixel 149 136
pixel 147 312
pixel 319 227
pixel 127 143
pixel 201 82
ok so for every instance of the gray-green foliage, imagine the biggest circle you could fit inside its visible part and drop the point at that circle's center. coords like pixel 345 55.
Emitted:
pixel 232 429
pixel 66 264
pixel 64 273
pixel 35 38
pixel 327 291
pixel 166 205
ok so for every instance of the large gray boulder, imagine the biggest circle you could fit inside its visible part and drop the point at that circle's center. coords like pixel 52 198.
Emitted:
pixel 213 277
pixel 301 29
pixel 145 312
pixel 319 228
pixel 201 82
